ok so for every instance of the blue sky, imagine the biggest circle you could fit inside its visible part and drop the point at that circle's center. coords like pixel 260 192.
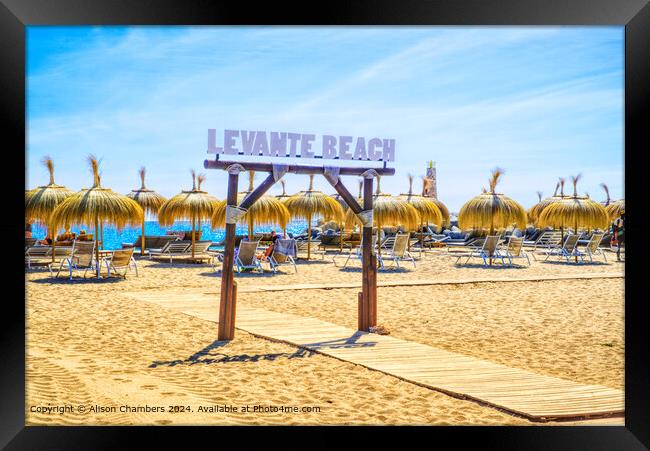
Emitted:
pixel 539 102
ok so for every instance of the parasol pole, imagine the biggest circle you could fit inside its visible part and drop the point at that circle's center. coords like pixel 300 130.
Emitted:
pixel 97 244
pixel 193 222
pixel 309 236
pixel 142 240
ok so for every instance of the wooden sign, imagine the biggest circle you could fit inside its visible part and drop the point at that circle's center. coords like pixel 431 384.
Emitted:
pixel 301 145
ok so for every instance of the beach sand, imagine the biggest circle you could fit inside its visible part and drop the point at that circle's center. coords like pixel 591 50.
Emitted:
pixel 89 343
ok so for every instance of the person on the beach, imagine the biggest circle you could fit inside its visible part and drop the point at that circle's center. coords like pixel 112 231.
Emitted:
pixel 28 229
pixel 269 250
pixel 618 230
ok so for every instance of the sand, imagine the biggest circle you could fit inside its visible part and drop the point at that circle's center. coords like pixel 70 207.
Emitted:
pixel 89 343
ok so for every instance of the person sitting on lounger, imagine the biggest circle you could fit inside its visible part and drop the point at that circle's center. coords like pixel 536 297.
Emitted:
pixel 269 250
pixel 28 229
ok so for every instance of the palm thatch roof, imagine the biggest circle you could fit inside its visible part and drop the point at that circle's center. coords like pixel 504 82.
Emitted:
pixel 615 209
pixel 491 211
pixel 188 205
pixel 148 199
pixel 446 217
pixel 578 212
pixel 311 203
pixel 427 209
pixel 266 210
pixel 536 210
pixel 97 205
pixel 40 202
pixel 388 210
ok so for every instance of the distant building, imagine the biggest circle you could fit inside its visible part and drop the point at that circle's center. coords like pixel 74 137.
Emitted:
pixel 431 184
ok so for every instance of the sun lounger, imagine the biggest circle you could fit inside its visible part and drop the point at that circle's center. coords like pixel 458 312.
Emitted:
pixel 170 250
pixel 488 251
pixel 156 242
pixel 303 244
pixel 82 256
pixel 548 239
pixel 357 252
pixel 284 252
pixel 568 249
pixel 398 252
pixel 514 250
pixel 38 254
pixel 120 260
pixel 592 248
pixel 246 257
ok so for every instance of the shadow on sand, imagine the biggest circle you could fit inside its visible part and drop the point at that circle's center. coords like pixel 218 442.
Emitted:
pixel 208 356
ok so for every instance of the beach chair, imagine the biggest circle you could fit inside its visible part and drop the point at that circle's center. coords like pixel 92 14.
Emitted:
pixel 169 250
pixel 120 260
pixel 284 251
pixel 246 257
pixel 357 252
pixel 568 249
pixel 81 257
pixel 549 239
pixel 514 250
pixel 303 244
pixel 592 248
pixel 40 254
pixel 487 251
pixel 398 252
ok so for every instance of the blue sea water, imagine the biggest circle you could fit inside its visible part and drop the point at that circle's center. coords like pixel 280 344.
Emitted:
pixel 113 238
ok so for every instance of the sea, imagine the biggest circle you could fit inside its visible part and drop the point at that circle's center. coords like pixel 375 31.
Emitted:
pixel 113 238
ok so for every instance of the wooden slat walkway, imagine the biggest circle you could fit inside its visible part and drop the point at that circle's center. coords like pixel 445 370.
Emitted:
pixel 537 397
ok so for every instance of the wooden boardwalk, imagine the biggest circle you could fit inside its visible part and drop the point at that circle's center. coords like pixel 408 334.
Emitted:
pixel 534 396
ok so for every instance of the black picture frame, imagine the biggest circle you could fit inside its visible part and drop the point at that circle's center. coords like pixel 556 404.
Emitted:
pixel 15 15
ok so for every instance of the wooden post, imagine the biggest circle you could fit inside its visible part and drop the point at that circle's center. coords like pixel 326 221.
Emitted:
pixel 228 305
pixel 369 262
pixel 226 331
pixel 361 316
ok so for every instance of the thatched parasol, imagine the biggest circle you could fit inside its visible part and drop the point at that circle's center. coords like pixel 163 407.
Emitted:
pixel 148 199
pixel 491 211
pixel 40 202
pixel 266 210
pixel 426 207
pixel 193 205
pixel 536 210
pixel 442 207
pixel 615 209
pixel 575 211
pixel 310 203
pixel 388 210
pixel 97 205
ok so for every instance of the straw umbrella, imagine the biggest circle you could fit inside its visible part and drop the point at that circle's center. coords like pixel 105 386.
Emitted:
pixel 536 210
pixel 192 205
pixel 491 210
pixel 42 201
pixel 388 210
pixel 577 211
pixel 97 205
pixel 615 209
pixel 266 210
pixel 446 217
pixel 426 207
pixel 310 203
pixel 148 199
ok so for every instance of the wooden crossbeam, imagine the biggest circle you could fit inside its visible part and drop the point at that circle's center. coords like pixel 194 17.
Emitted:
pixel 293 168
